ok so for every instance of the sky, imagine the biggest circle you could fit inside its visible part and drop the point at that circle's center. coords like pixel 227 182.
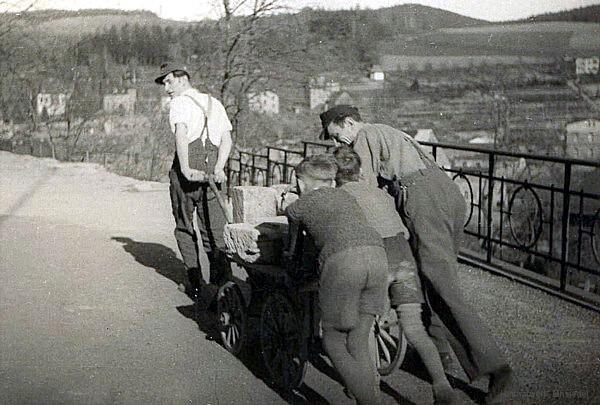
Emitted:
pixel 491 10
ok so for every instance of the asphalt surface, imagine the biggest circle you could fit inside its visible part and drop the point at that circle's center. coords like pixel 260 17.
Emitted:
pixel 90 312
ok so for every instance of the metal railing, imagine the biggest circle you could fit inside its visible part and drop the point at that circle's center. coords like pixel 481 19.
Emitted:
pixel 527 218
pixel 531 217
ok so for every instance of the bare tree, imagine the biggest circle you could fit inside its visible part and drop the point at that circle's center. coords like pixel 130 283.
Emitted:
pixel 245 44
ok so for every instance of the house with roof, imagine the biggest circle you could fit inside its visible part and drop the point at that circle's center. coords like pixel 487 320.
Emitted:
pixel 582 140
pixel 120 103
pixel 376 73
pixel 51 104
pixel 320 90
pixel 264 102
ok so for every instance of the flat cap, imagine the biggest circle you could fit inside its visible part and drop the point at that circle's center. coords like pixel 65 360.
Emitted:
pixel 334 113
pixel 167 68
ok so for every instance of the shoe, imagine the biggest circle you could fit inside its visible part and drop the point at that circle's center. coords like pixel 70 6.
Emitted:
pixel 499 381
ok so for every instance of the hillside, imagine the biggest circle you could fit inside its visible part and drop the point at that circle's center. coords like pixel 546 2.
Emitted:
pixel 582 14
pixel 544 39
pixel 75 24
pixel 391 20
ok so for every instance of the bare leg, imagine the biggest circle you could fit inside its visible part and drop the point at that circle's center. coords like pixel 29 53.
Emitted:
pixel 350 356
pixel 412 326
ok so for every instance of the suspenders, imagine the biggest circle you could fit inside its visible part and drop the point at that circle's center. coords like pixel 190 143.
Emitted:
pixel 202 155
pixel 205 111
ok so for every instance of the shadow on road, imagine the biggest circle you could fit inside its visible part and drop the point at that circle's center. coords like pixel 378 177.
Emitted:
pixel 165 262
pixel 156 256
pixel 412 364
pixel 208 323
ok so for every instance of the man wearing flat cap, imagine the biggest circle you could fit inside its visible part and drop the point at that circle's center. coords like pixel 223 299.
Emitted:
pixel 203 142
pixel 433 209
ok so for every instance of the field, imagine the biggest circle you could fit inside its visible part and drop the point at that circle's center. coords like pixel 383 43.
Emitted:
pixel 552 39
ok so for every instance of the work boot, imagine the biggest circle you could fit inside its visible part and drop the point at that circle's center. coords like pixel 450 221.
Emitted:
pixel 191 284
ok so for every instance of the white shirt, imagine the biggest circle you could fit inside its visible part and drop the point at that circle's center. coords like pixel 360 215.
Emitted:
pixel 185 111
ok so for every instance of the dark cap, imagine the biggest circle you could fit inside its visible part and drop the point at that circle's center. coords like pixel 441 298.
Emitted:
pixel 333 114
pixel 167 68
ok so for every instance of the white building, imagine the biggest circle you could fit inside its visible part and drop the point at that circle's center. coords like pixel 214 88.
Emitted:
pixel 587 66
pixel 320 91
pixel 583 140
pixel 377 73
pixel 53 104
pixel 265 102
pixel 120 103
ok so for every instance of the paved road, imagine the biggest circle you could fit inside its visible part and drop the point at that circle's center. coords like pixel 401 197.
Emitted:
pixel 90 311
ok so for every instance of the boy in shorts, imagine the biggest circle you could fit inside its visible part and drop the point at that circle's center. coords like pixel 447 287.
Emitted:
pixel 404 291
pixel 353 272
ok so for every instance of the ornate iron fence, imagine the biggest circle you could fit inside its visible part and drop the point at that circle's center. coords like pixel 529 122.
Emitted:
pixel 529 216
pixel 533 218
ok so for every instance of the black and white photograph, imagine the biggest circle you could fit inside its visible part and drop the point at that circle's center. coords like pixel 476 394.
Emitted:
pixel 299 202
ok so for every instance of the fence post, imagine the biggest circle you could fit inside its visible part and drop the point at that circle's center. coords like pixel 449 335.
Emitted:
pixel 268 166
pixel 490 204
pixel 285 167
pixel 87 156
pixel 564 243
pixel 105 160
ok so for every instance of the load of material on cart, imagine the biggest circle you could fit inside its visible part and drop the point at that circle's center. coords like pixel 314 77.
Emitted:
pixel 260 228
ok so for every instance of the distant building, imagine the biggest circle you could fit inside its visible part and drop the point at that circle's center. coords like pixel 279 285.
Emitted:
pixel 583 140
pixel 120 103
pixel 54 104
pixel 265 102
pixel 320 91
pixel 377 73
pixel 587 66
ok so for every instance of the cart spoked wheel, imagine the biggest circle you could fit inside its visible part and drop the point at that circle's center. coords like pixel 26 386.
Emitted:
pixel 232 318
pixel 391 343
pixel 282 342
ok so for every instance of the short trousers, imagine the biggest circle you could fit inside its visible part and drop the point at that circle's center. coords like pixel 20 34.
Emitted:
pixel 404 282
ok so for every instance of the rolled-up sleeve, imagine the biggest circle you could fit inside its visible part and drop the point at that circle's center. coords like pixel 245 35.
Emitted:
pixel 179 113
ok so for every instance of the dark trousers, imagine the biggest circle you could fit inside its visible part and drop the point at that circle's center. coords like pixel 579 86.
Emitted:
pixel 433 209
pixel 188 198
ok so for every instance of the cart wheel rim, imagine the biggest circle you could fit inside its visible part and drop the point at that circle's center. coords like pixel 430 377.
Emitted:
pixel 232 318
pixel 390 342
pixel 281 342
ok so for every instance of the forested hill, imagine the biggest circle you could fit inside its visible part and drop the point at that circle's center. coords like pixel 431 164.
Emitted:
pixel 384 21
pixel 582 14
